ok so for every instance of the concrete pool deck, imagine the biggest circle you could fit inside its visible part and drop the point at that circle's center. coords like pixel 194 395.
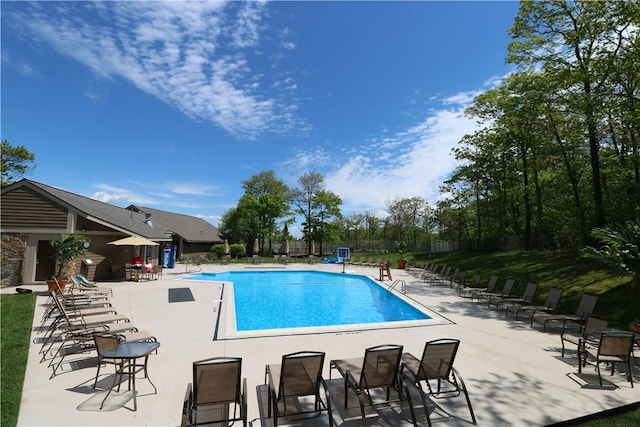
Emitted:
pixel 514 374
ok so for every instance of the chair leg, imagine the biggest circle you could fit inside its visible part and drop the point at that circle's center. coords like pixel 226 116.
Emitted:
pixel 95 383
pixel 410 402
pixel 462 386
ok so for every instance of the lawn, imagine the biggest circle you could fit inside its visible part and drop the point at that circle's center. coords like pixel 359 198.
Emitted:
pixel 618 302
pixel 15 330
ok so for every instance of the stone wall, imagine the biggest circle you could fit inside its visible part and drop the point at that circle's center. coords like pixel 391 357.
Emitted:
pixel 12 253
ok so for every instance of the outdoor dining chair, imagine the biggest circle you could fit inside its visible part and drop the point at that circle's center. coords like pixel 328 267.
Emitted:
pixel 435 366
pixel 580 335
pixel 217 394
pixel 614 347
pixel 299 375
pixel 378 369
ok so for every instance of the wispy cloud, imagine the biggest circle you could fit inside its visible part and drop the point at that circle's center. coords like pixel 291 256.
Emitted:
pixel 413 163
pixel 182 194
pixel 195 56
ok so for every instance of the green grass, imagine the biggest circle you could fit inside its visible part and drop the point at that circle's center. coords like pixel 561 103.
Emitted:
pixel 15 331
pixel 619 301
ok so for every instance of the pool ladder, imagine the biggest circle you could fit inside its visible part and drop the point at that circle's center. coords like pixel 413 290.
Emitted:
pixel 403 286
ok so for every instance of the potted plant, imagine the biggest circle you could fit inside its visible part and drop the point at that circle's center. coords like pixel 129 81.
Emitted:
pixel 634 326
pixel 65 250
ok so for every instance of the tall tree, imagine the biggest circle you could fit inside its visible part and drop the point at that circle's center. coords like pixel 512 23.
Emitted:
pixel 327 212
pixel 302 198
pixel 404 216
pixel 16 161
pixel 570 41
pixel 271 204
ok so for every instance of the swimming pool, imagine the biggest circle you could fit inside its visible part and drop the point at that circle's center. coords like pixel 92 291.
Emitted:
pixel 261 303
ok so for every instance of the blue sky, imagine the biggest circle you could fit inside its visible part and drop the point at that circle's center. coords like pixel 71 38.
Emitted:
pixel 172 105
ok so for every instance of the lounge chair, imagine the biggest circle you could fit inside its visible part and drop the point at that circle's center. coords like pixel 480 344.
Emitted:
pixel 473 284
pixel 580 335
pixel 613 347
pixel 83 284
pixel 473 292
pixel 527 297
pixel 435 365
pixel 75 335
pixel 217 386
pixel 441 278
pixel 550 304
pixel 433 273
pixel 494 296
pixel 459 278
pixel 74 295
pixel 378 369
pixel 299 375
pixel 416 271
pixel 584 310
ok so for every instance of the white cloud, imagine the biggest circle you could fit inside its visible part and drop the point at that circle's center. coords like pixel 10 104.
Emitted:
pixel 192 189
pixel 413 162
pixel 192 55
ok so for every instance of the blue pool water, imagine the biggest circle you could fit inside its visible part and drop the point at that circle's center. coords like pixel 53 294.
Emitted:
pixel 295 299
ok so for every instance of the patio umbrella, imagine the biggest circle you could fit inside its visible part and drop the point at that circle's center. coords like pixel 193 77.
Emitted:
pixel 133 241
pixel 256 246
pixel 286 247
pixel 226 247
pixel 313 247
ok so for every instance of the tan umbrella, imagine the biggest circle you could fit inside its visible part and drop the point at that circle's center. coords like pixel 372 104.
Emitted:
pixel 133 241
pixel 226 247
pixel 286 247
pixel 256 246
pixel 313 247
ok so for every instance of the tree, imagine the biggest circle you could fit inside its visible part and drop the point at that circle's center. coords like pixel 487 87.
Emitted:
pixel 327 211
pixel 570 41
pixel 263 204
pixel 302 198
pixel 16 161
pixel 270 204
pixel 406 215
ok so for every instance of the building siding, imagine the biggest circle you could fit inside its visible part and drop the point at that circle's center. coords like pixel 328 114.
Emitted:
pixel 25 209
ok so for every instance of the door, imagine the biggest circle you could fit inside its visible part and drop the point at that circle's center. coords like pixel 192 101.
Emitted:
pixel 45 264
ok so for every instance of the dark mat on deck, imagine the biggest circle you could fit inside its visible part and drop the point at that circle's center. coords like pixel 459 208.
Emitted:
pixel 180 295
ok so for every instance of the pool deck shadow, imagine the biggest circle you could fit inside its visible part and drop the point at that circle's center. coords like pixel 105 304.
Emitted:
pixel 514 373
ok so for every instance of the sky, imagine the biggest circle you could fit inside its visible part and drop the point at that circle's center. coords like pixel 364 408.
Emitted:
pixel 172 105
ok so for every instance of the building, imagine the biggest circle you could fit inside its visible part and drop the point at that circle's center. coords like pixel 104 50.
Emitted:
pixel 33 213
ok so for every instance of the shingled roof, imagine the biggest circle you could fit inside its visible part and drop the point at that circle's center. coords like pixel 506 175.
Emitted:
pixel 160 226
pixel 113 216
pixel 190 228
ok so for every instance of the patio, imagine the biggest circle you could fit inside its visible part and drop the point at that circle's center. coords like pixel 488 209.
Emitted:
pixel 514 374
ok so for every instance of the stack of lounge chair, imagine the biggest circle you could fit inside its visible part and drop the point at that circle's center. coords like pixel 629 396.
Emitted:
pixel 72 316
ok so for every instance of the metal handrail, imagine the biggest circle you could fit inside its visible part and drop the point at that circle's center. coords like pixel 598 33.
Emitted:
pixel 403 286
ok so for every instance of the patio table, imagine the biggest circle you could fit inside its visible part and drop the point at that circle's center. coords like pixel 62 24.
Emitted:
pixel 130 351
